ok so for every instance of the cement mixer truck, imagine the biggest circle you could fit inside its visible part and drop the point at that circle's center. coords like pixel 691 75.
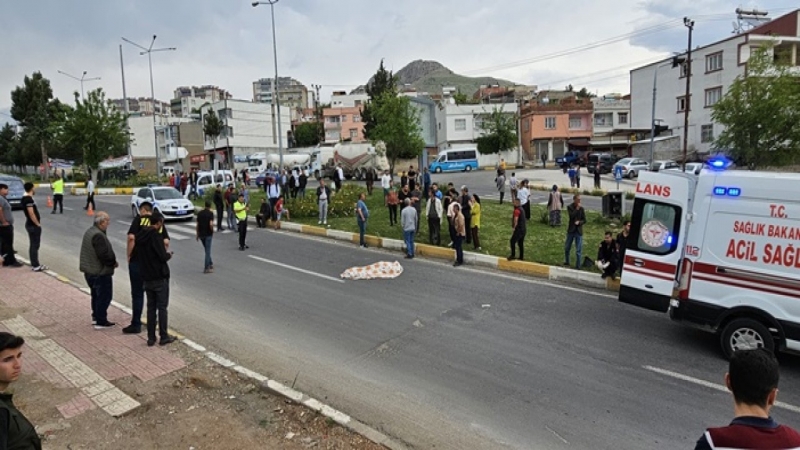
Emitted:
pixel 357 159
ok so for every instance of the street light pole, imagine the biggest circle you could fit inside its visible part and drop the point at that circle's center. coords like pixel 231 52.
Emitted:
pixel 149 52
pixel 80 80
pixel 687 102
pixel 653 115
pixel 125 106
pixel 275 95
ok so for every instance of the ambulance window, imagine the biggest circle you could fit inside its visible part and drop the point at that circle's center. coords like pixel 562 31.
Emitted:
pixel 657 226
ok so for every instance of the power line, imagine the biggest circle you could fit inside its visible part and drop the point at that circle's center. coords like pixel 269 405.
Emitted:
pixel 628 67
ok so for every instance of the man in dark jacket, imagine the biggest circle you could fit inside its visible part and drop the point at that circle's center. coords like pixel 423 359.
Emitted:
pixel 16 431
pixel 466 210
pixel 97 262
pixel 303 183
pixel 219 203
pixel 607 256
pixel 577 217
pixel 153 259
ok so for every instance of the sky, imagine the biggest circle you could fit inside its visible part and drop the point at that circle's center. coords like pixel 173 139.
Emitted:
pixel 339 43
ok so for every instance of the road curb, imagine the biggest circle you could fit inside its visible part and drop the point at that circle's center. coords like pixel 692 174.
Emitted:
pixel 105 191
pixel 265 383
pixel 72 185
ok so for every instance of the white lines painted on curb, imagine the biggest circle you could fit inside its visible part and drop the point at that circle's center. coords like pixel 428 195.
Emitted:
pixel 194 345
pixel 297 269
pixel 710 385
pixel 220 360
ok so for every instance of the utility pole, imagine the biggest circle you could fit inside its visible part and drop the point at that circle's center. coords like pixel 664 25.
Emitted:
pixel 318 113
pixel 125 106
pixel 688 99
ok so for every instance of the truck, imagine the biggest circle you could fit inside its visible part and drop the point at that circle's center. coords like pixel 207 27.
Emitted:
pixel 570 158
pixel 314 158
pixel 720 251
pixel 357 159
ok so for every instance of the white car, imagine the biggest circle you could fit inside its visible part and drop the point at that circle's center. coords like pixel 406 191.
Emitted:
pixel 694 168
pixel 631 167
pixel 665 165
pixel 166 200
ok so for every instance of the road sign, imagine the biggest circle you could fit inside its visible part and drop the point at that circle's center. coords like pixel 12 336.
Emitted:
pixel 618 174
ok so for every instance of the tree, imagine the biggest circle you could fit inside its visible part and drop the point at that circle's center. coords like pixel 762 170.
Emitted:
pixel 95 129
pixel 307 134
pixel 34 109
pixel 585 93
pixel 9 146
pixel 382 82
pixel 500 132
pixel 462 99
pixel 212 128
pixel 760 114
pixel 397 125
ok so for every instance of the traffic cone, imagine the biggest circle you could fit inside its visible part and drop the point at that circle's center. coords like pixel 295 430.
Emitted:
pixel 49 202
pixel 90 210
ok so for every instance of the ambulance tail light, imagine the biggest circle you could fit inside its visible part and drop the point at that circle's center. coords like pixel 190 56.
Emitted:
pixel 685 280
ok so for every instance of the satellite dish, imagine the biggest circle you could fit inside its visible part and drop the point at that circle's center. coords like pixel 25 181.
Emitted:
pixel 546 100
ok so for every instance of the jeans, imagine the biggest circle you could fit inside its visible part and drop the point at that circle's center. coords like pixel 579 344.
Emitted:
pixel 206 241
pixel 220 214
pixel 242 233
pixel 323 211
pixel 58 202
pixel 435 231
pixel 362 230
pixel 157 303
pixel 137 293
pixel 7 245
pixel 273 201
pixel 458 243
pixel 578 239
pixel 392 214
pixel 518 240
pixel 102 289
pixel 231 219
pixel 408 237
pixel 35 238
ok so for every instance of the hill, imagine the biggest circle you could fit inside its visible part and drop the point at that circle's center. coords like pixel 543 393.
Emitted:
pixel 431 76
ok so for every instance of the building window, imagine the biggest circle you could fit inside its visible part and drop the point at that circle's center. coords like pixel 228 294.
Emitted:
pixel 707 133
pixel 354 134
pixel 357 103
pixel 714 62
pixel 526 125
pixel 550 123
pixel 622 118
pixel 356 118
pixel 575 122
pixel 684 69
pixel 713 96
pixel 461 124
pixel 604 120
pixel 227 132
pixel 332 119
pixel 682 104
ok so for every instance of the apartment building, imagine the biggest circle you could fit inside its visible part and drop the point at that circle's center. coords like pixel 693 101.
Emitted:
pixel 143 105
pixel 554 123
pixel 611 124
pixel 714 67
pixel 343 124
pixel 459 125
pixel 191 98
pixel 293 94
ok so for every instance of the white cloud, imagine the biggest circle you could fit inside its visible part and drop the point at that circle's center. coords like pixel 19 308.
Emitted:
pixel 339 44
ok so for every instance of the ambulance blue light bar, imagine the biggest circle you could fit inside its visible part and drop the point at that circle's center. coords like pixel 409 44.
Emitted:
pixel 719 163
pixel 727 191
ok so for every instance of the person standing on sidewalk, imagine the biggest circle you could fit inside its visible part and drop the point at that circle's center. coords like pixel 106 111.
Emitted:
pixel 426 182
pixel 500 182
pixel 460 234
pixel 434 213
pixel 135 264
pixel 597 176
pixel 204 232
pixel 555 203
pixel 193 182
pixel 323 196
pixel 240 209
pixel 466 210
pixel 155 273
pixel 524 196
pixel 273 194
pixel 513 185
pixel 58 194
pixel 408 219
pixel 7 230
pixel 16 431
pixel 386 182
pixel 362 215
pixel 577 217
pixel 90 195
pixel 370 178
pixel 229 200
pixel 475 204
pixel 97 262
pixel 303 183
pixel 392 200
pixel 219 203
pixel 33 226
pixel 519 230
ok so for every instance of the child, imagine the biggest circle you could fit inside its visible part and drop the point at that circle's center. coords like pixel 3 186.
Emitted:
pixel 279 212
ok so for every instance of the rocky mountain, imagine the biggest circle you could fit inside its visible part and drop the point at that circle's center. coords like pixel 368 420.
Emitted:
pixel 431 76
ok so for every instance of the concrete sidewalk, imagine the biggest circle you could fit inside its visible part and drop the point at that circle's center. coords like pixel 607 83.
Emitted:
pixel 54 317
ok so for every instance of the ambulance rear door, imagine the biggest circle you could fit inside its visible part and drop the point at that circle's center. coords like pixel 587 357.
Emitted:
pixel 658 234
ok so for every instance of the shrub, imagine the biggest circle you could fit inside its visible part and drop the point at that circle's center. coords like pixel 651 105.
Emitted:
pixel 598 192
pixel 544 218
pixel 630 195
pixel 341 204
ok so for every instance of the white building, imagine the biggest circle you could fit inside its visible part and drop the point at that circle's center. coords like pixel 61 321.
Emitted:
pixel 714 68
pixel 611 123
pixel 143 141
pixel 247 128
pixel 459 125
pixel 340 99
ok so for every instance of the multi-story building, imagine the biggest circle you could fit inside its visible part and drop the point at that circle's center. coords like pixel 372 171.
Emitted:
pixel 611 124
pixel 341 99
pixel 143 105
pixel 343 124
pixel 248 128
pixel 189 99
pixel 714 67
pixel 555 123
pixel 293 94
pixel 175 136
pixel 459 125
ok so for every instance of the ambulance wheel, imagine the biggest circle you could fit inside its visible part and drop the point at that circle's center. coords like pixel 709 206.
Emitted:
pixel 745 334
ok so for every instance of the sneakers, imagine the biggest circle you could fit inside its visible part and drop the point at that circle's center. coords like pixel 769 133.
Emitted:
pixel 132 329
pixel 319 223
pixel 325 222
pixel 40 268
pixel 103 325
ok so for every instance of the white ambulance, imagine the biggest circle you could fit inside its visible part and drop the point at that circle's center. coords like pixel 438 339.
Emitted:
pixel 719 250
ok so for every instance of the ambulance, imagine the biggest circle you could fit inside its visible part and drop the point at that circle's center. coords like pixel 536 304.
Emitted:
pixel 720 251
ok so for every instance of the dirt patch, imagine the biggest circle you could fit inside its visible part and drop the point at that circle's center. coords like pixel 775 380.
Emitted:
pixel 203 406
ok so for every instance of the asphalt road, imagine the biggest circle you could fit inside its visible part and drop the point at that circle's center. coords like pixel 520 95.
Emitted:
pixel 439 357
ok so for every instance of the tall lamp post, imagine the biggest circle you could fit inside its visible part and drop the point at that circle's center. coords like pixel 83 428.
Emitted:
pixel 688 99
pixel 81 79
pixel 149 52
pixel 653 112
pixel 275 95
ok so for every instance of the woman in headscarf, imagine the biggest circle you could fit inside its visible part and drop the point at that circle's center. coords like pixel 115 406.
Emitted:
pixel 555 204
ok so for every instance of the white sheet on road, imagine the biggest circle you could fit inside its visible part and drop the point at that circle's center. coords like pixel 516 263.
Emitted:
pixel 379 270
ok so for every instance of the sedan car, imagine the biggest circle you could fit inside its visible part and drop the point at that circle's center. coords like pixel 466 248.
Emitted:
pixel 166 200
pixel 665 165
pixel 694 168
pixel 16 189
pixel 631 167
pixel 261 179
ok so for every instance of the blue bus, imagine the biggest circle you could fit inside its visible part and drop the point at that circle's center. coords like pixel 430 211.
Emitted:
pixel 463 159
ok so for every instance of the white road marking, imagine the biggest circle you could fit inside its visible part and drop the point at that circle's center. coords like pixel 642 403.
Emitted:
pixel 710 385
pixel 557 435
pixel 286 266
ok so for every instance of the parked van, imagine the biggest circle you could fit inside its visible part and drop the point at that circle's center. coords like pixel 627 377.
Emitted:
pixel 719 250
pixel 207 181
pixel 606 160
pixel 16 190
pixel 463 159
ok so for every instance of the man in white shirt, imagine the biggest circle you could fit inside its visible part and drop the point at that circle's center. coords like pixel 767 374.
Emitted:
pixel 90 195
pixel 523 194
pixel 273 194
pixel 339 177
pixel 386 183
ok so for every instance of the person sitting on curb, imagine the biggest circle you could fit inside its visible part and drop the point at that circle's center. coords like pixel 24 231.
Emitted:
pixel 16 431
pixel 752 378
pixel 263 214
pixel 279 212
pixel 607 256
